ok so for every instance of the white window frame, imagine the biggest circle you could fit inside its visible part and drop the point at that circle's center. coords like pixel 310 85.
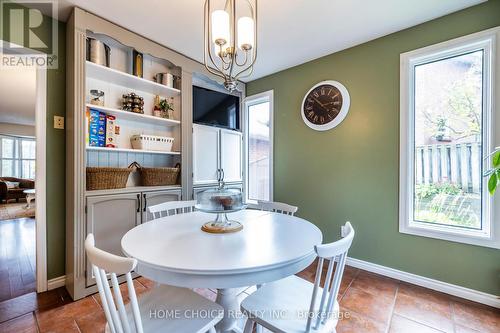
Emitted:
pixel 267 96
pixel 489 235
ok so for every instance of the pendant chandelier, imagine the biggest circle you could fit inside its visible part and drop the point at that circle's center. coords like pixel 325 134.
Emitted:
pixel 230 40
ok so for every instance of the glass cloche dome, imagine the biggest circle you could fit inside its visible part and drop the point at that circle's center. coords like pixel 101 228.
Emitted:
pixel 220 201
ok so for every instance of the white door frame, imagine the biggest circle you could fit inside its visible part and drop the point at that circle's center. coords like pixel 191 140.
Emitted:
pixel 40 179
pixel 40 173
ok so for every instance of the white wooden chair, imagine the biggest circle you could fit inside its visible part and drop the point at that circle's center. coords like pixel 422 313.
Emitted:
pixel 171 208
pixel 149 313
pixel 306 307
pixel 277 207
pixel 274 206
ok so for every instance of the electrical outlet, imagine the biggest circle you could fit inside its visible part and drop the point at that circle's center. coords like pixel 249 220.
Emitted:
pixel 58 122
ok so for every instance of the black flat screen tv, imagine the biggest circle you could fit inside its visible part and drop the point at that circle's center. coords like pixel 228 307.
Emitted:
pixel 215 108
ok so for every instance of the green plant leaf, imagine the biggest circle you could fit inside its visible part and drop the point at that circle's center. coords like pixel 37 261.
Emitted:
pixel 496 159
pixel 492 183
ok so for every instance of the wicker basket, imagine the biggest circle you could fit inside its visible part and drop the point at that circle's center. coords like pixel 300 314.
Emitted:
pixel 107 178
pixel 159 176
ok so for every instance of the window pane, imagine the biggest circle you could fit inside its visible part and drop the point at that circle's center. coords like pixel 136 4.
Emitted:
pixel 259 151
pixel 7 168
pixel 28 149
pixel 7 148
pixel 28 169
pixel 448 141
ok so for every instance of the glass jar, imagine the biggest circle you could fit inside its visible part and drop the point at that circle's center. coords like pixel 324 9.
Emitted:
pixel 97 97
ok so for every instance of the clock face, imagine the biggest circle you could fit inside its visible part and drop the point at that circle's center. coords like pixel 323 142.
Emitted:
pixel 325 105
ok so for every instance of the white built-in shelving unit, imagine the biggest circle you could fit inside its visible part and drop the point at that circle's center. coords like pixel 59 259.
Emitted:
pixel 116 81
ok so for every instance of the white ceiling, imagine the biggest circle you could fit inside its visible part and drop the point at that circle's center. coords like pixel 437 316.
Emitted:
pixel 290 32
pixel 17 96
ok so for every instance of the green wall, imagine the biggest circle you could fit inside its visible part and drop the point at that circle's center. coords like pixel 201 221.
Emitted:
pixel 56 154
pixel 56 163
pixel 351 172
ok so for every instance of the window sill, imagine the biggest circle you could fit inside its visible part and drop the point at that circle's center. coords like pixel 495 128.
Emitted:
pixel 453 234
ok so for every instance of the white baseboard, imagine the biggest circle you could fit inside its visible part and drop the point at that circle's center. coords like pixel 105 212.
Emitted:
pixel 56 282
pixel 447 288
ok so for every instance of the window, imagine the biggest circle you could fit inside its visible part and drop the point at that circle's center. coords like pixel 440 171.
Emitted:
pixel 446 133
pixel 259 147
pixel 17 157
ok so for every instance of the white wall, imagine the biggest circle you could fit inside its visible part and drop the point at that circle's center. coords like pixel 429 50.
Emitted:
pixel 18 130
pixel 18 96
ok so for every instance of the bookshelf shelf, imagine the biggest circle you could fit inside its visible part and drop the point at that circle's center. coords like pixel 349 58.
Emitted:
pixel 129 150
pixel 143 118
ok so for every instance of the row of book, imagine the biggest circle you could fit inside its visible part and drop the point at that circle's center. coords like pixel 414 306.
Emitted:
pixel 101 129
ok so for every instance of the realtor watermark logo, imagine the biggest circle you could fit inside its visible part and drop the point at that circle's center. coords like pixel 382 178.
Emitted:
pixel 28 34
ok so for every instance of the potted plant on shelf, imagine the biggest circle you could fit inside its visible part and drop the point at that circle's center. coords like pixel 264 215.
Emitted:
pixel 167 108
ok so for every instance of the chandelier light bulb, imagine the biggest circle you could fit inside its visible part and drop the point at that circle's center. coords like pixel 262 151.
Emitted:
pixel 245 33
pixel 220 27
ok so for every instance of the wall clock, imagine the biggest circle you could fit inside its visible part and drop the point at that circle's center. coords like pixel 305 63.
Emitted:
pixel 325 105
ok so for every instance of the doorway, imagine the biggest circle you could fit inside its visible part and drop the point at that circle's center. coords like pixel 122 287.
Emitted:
pixel 22 181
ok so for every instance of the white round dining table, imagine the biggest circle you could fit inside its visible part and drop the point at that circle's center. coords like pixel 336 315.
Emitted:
pixel 175 251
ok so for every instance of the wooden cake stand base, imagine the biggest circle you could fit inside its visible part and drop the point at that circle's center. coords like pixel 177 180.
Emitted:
pixel 222 225
pixel 216 228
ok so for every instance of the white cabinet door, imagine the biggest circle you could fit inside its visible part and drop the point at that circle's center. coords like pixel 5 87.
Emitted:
pixel 205 154
pixel 154 198
pixel 109 217
pixel 230 156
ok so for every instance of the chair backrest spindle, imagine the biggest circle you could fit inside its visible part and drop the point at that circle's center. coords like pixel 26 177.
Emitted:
pixel 317 281
pixel 336 254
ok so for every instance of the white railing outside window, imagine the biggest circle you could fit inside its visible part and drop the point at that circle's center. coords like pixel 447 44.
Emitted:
pixel 17 157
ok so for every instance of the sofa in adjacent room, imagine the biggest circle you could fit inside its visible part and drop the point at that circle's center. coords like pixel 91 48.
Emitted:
pixel 13 188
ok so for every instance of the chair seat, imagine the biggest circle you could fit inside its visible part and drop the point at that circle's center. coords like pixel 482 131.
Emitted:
pixel 172 309
pixel 283 306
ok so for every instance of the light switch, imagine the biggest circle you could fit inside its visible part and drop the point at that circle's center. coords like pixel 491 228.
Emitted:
pixel 58 122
